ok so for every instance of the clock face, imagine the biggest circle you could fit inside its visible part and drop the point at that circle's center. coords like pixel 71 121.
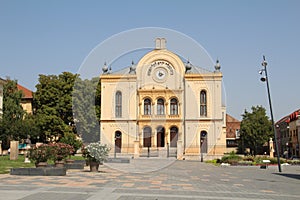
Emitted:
pixel 160 74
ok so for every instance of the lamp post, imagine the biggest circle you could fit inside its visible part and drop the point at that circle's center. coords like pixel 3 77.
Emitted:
pixel 265 79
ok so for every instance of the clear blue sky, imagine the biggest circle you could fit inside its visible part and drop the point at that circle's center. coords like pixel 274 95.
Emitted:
pixel 49 37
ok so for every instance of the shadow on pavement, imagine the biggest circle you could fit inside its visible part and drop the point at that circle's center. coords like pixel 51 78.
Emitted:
pixel 295 176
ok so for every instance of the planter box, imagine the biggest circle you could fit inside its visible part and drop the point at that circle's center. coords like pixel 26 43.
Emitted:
pixel 75 165
pixel 118 160
pixel 46 171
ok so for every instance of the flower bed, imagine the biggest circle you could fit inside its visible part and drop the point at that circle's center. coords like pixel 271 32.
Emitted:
pixel 60 151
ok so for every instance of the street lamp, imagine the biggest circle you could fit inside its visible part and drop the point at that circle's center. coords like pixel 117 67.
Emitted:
pixel 265 79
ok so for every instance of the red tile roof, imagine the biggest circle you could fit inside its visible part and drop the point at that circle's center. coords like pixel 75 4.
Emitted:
pixel 229 118
pixel 26 92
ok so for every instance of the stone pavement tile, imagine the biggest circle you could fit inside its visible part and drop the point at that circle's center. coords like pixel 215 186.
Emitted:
pixel 56 196
pixel 181 180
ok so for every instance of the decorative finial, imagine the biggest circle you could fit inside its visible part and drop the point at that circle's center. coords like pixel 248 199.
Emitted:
pixel 105 68
pixel 217 66
pixel 188 66
pixel 132 68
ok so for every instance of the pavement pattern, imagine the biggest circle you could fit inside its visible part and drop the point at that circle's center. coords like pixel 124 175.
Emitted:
pixel 184 180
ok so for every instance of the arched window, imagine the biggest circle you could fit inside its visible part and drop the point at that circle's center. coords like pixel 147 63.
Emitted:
pixel 174 107
pixel 147 136
pixel 160 107
pixel 203 103
pixel 118 104
pixel 147 107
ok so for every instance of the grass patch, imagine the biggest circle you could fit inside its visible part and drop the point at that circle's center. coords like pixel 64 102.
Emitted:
pixel 77 157
pixel 6 164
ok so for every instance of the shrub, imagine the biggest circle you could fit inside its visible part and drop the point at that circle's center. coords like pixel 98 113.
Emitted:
pixel 294 162
pixel 40 154
pixel 71 139
pixel 259 160
pixel 95 152
pixel 60 151
pixel 232 158
pixel 249 158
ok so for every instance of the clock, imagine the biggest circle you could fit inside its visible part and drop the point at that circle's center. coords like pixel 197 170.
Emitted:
pixel 160 74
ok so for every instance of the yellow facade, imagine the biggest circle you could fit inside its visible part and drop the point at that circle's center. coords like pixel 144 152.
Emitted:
pixel 164 106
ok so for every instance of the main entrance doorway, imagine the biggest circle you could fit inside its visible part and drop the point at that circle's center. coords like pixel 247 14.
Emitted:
pixel 160 136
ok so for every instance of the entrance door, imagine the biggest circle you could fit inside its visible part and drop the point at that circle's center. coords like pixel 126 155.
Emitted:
pixel 160 136
pixel 118 141
pixel 203 142
pixel 173 136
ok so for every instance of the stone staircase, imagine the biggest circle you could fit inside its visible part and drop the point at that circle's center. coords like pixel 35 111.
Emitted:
pixel 158 152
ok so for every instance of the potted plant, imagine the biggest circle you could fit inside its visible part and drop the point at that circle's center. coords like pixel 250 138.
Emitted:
pixel 94 154
pixel 59 152
pixel 40 155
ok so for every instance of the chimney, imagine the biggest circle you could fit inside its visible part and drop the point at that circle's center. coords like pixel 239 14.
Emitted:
pixel 160 43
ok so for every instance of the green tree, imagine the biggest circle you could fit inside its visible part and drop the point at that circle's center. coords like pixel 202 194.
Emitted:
pixel 63 101
pixel 71 139
pixel 256 129
pixel 86 108
pixel 53 104
pixel 13 113
pixel 30 126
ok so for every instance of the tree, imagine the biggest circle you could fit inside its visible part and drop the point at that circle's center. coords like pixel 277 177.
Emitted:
pixel 72 140
pixel 13 113
pixel 63 101
pixel 256 129
pixel 86 108
pixel 53 105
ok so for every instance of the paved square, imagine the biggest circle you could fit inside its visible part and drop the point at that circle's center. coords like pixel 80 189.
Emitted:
pixel 179 180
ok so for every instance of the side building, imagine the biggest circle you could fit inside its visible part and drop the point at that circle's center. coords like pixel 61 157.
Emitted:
pixel 288 132
pixel 232 133
pixel 27 99
pixel 163 106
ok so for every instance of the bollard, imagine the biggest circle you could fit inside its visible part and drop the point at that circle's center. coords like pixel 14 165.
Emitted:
pixel 148 152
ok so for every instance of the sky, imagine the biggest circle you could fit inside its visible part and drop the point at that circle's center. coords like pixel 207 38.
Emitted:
pixel 50 37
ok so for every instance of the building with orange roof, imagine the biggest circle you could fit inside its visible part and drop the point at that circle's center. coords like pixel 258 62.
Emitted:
pixel 232 133
pixel 26 101
pixel 27 98
pixel 288 129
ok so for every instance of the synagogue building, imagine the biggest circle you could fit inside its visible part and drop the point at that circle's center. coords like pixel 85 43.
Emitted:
pixel 163 106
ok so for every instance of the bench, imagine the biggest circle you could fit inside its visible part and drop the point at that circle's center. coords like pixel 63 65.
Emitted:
pixel 22 148
pixel 265 164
